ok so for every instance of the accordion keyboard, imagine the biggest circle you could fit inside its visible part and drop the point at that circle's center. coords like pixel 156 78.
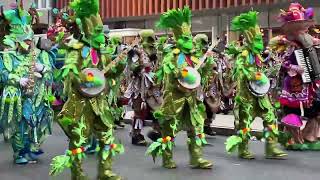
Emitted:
pixel 304 62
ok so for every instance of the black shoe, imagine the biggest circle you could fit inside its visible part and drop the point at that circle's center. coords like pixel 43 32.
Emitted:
pixel 154 135
pixel 139 140
pixel 119 124
pixel 209 131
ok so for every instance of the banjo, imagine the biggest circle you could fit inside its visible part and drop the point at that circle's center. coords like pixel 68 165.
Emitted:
pixel 190 78
pixel 258 89
pixel 95 82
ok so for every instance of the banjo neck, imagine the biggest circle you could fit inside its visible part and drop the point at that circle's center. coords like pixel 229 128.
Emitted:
pixel 205 56
pixel 120 56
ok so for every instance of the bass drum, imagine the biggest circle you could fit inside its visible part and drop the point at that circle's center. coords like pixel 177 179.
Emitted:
pixel 214 103
pixel 155 98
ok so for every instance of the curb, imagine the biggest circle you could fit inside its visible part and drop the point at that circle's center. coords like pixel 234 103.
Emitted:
pixel 220 130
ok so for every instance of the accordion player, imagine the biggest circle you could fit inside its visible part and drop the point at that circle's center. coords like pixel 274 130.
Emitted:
pixel 308 58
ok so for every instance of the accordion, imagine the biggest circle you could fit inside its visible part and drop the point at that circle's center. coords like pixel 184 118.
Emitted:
pixel 308 59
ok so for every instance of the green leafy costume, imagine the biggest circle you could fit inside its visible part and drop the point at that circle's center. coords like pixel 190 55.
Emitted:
pixel 81 116
pixel 249 66
pixel 25 112
pixel 180 110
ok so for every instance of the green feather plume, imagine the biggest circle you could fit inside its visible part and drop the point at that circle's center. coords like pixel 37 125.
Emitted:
pixel 175 18
pixel 85 8
pixel 244 21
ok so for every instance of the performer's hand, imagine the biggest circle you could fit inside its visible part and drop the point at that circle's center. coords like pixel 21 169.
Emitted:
pixel 297 69
pixel 24 82
pixel 39 67
pixel 210 53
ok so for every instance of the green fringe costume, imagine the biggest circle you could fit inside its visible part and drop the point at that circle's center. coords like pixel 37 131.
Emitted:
pixel 83 116
pixel 249 66
pixel 180 110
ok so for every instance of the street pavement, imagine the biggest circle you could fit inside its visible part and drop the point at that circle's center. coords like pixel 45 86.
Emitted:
pixel 135 165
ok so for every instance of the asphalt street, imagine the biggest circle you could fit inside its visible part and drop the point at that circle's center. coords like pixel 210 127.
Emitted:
pixel 135 165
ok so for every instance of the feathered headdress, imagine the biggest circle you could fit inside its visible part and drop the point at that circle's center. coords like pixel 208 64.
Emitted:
pixel 88 12
pixel 245 21
pixel 178 20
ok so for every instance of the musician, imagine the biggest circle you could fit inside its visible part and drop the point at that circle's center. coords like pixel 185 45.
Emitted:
pixel 87 70
pixel 298 98
pixel 212 96
pixel 114 48
pixel 251 99
pixel 180 110
pixel 141 83
pixel 25 112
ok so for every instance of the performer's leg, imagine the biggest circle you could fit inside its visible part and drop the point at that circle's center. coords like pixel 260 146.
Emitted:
pixel 167 156
pixel 245 120
pixel 208 129
pixel 77 172
pixel 155 133
pixel 270 124
pixel 18 145
pixel 78 132
pixel 92 144
pixel 196 154
pixel 138 122
pixel 105 165
pixel 311 131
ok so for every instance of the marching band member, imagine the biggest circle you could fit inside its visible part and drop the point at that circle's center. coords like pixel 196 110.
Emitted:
pixel 25 111
pixel 181 110
pixel 142 61
pixel 87 70
pixel 251 99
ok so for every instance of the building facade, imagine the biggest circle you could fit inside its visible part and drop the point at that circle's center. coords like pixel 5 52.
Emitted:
pixel 210 16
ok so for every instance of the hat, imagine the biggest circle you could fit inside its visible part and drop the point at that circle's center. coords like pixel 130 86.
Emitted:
pixel 201 37
pixel 145 33
pixel 292 120
pixel 296 18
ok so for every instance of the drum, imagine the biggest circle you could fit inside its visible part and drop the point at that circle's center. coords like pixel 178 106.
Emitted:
pixel 258 89
pixel 190 79
pixel 155 98
pixel 96 90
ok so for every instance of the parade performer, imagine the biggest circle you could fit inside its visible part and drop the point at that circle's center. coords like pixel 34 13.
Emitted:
pixel 181 110
pixel 26 75
pixel 156 94
pixel 141 64
pixel 86 72
pixel 299 97
pixel 211 98
pixel 114 48
pixel 251 99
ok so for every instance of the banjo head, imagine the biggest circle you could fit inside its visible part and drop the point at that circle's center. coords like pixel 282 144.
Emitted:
pixel 96 90
pixel 195 83
pixel 257 89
